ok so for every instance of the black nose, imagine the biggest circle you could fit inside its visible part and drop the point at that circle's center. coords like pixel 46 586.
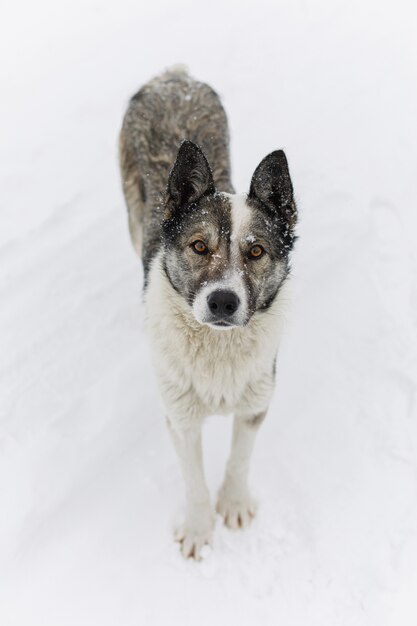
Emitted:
pixel 223 304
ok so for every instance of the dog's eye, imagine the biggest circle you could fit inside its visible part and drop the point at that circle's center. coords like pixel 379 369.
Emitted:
pixel 256 251
pixel 199 247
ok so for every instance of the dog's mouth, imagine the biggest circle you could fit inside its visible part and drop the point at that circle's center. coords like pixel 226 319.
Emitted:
pixel 221 324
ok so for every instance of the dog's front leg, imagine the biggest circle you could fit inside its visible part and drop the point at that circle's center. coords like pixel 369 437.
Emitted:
pixel 199 521
pixel 234 502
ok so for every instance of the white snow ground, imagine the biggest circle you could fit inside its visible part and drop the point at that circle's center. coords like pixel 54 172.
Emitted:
pixel 89 485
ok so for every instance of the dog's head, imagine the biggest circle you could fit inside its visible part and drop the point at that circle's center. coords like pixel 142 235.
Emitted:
pixel 227 254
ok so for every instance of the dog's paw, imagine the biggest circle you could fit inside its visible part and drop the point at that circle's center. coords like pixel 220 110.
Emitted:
pixel 236 510
pixel 192 538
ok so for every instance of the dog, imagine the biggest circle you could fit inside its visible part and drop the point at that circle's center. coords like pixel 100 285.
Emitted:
pixel 216 265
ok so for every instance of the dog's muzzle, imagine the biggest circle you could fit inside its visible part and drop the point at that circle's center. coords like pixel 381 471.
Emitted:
pixel 222 304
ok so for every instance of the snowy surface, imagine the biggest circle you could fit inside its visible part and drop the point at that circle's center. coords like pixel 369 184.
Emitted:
pixel 89 486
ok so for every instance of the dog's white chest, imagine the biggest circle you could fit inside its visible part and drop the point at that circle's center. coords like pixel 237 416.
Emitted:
pixel 218 369
pixel 202 370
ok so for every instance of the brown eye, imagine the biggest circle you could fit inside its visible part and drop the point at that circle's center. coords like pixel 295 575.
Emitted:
pixel 256 251
pixel 199 247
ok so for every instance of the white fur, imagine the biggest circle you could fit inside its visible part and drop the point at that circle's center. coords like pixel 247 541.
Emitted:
pixel 240 215
pixel 235 503
pixel 231 281
pixel 202 371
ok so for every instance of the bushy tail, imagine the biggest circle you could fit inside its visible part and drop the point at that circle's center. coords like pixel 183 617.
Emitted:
pixel 131 182
pixel 178 69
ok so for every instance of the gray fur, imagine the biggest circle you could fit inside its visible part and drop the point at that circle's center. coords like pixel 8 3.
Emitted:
pixel 256 420
pixel 168 109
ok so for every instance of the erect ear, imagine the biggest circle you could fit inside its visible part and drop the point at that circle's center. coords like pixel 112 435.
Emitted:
pixel 190 177
pixel 271 183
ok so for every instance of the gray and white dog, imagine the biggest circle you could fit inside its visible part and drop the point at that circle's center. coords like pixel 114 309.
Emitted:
pixel 215 267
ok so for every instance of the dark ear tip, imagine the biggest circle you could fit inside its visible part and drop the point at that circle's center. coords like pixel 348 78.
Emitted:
pixel 187 145
pixel 271 182
pixel 279 155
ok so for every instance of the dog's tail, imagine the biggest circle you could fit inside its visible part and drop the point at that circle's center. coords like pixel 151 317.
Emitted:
pixel 179 69
pixel 132 187
pixel 132 180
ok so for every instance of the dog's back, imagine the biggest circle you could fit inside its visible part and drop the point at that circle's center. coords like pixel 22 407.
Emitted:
pixel 168 109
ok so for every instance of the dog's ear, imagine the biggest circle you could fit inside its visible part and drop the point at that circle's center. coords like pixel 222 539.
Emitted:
pixel 271 184
pixel 190 177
